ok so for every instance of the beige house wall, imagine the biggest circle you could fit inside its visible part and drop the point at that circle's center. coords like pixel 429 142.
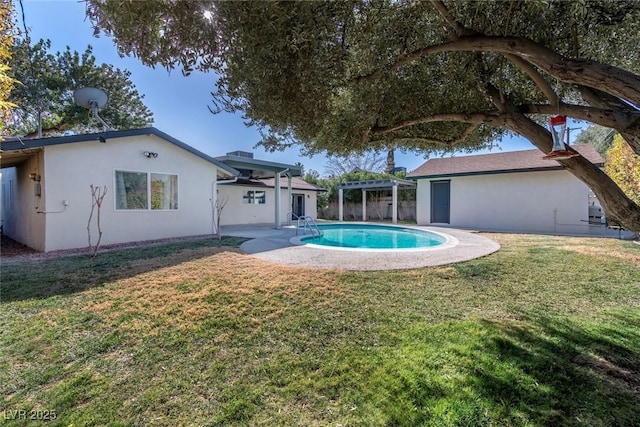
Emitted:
pixel 22 198
pixel 534 202
pixel 72 168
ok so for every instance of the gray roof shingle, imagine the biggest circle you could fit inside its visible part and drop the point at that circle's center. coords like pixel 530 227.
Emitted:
pixel 514 161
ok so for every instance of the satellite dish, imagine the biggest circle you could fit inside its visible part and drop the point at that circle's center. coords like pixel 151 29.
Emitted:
pixel 92 99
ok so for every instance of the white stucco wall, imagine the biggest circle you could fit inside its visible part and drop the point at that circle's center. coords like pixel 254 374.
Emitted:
pixel 72 168
pixel 535 202
pixel 20 203
pixel 237 212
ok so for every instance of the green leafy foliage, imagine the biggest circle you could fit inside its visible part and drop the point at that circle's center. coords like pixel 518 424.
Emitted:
pixel 623 165
pixel 49 80
pixel 296 69
pixel 7 83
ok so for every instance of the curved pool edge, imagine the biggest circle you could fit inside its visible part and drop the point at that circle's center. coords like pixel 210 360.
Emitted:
pixel 279 249
pixel 449 242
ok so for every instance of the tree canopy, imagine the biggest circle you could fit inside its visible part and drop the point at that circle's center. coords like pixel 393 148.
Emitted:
pixel 7 33
pixel 346 77
pixel 48 81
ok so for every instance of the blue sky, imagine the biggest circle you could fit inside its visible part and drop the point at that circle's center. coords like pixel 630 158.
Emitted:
pixel 179 104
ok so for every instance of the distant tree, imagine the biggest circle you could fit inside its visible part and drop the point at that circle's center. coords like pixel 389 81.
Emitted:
pixel 599 136
pixel 7 83
pixel 366 162
pixel 311 176
pixel 623 166
pixel 47 91
pixel 391 161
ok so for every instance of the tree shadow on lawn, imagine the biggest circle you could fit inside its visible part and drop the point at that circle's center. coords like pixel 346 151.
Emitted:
pixel 72 274
pixel 548 371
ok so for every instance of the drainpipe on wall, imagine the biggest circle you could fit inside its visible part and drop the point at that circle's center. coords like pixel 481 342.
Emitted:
pixel 276 188
pixel 214 199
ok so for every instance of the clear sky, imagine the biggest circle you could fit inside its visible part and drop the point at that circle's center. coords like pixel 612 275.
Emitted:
pixel 179 104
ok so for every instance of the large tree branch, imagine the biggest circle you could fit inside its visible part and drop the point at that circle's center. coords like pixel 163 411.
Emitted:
pixel 451 21
pixel 616 119
pixel 609 79
pixel 617 205
pixel 417 139
pixel 474 118
pixel 615 202
pixel 537 78
pixel 630 133
pixel 468 131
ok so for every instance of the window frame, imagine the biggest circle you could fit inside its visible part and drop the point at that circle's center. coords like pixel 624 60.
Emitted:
pixel 149 191
pixel 249 197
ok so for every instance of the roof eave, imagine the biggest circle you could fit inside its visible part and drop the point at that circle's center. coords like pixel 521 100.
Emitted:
pixel 493 172
pixel 102 136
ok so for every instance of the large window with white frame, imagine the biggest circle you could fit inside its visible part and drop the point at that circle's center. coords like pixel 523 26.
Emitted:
pixel 145 190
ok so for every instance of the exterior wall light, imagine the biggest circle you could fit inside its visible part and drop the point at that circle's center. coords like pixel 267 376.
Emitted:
pixel 34 176
pixel 150 154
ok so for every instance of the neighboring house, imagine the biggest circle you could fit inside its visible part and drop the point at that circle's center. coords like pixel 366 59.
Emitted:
pixel 157 187
pixel 252 199
pixel 512 191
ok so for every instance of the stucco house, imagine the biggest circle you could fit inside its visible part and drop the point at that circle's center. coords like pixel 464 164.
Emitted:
pixel 512 191
pixel 251 199
pixel 157 187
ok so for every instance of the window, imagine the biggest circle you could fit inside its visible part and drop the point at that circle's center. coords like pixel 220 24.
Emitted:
pixel 164 191
pixel 254 197
pixel 142 190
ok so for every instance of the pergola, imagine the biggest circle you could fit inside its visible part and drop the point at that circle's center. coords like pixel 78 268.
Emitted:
pixel 374 185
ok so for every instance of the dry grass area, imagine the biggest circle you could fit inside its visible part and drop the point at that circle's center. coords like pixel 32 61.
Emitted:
pixel 181 295
pixel 543 332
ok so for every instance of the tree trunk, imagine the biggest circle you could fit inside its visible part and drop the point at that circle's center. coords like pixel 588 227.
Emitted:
pixel 618 208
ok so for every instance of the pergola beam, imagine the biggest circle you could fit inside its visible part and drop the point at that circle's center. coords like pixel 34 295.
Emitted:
pixel 373 185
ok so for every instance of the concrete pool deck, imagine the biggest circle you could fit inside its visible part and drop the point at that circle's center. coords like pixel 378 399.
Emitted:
pixel 274 245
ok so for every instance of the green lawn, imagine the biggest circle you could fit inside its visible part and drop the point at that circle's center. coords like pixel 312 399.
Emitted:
pixel 544 332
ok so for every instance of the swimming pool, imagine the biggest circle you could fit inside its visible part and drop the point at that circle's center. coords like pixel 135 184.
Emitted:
pixel 373 236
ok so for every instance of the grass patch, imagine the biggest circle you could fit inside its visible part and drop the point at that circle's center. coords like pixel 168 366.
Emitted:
pixel 543 332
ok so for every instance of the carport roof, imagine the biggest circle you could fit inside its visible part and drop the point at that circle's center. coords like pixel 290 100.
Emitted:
pixel 256 169
pixel 17 150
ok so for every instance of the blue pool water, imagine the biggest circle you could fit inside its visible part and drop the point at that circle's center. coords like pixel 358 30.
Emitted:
pixel 369 236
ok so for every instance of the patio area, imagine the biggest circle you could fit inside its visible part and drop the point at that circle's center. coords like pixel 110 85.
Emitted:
pixel 274 245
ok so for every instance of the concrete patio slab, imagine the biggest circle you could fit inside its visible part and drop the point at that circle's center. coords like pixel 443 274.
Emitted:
pixel 275 245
